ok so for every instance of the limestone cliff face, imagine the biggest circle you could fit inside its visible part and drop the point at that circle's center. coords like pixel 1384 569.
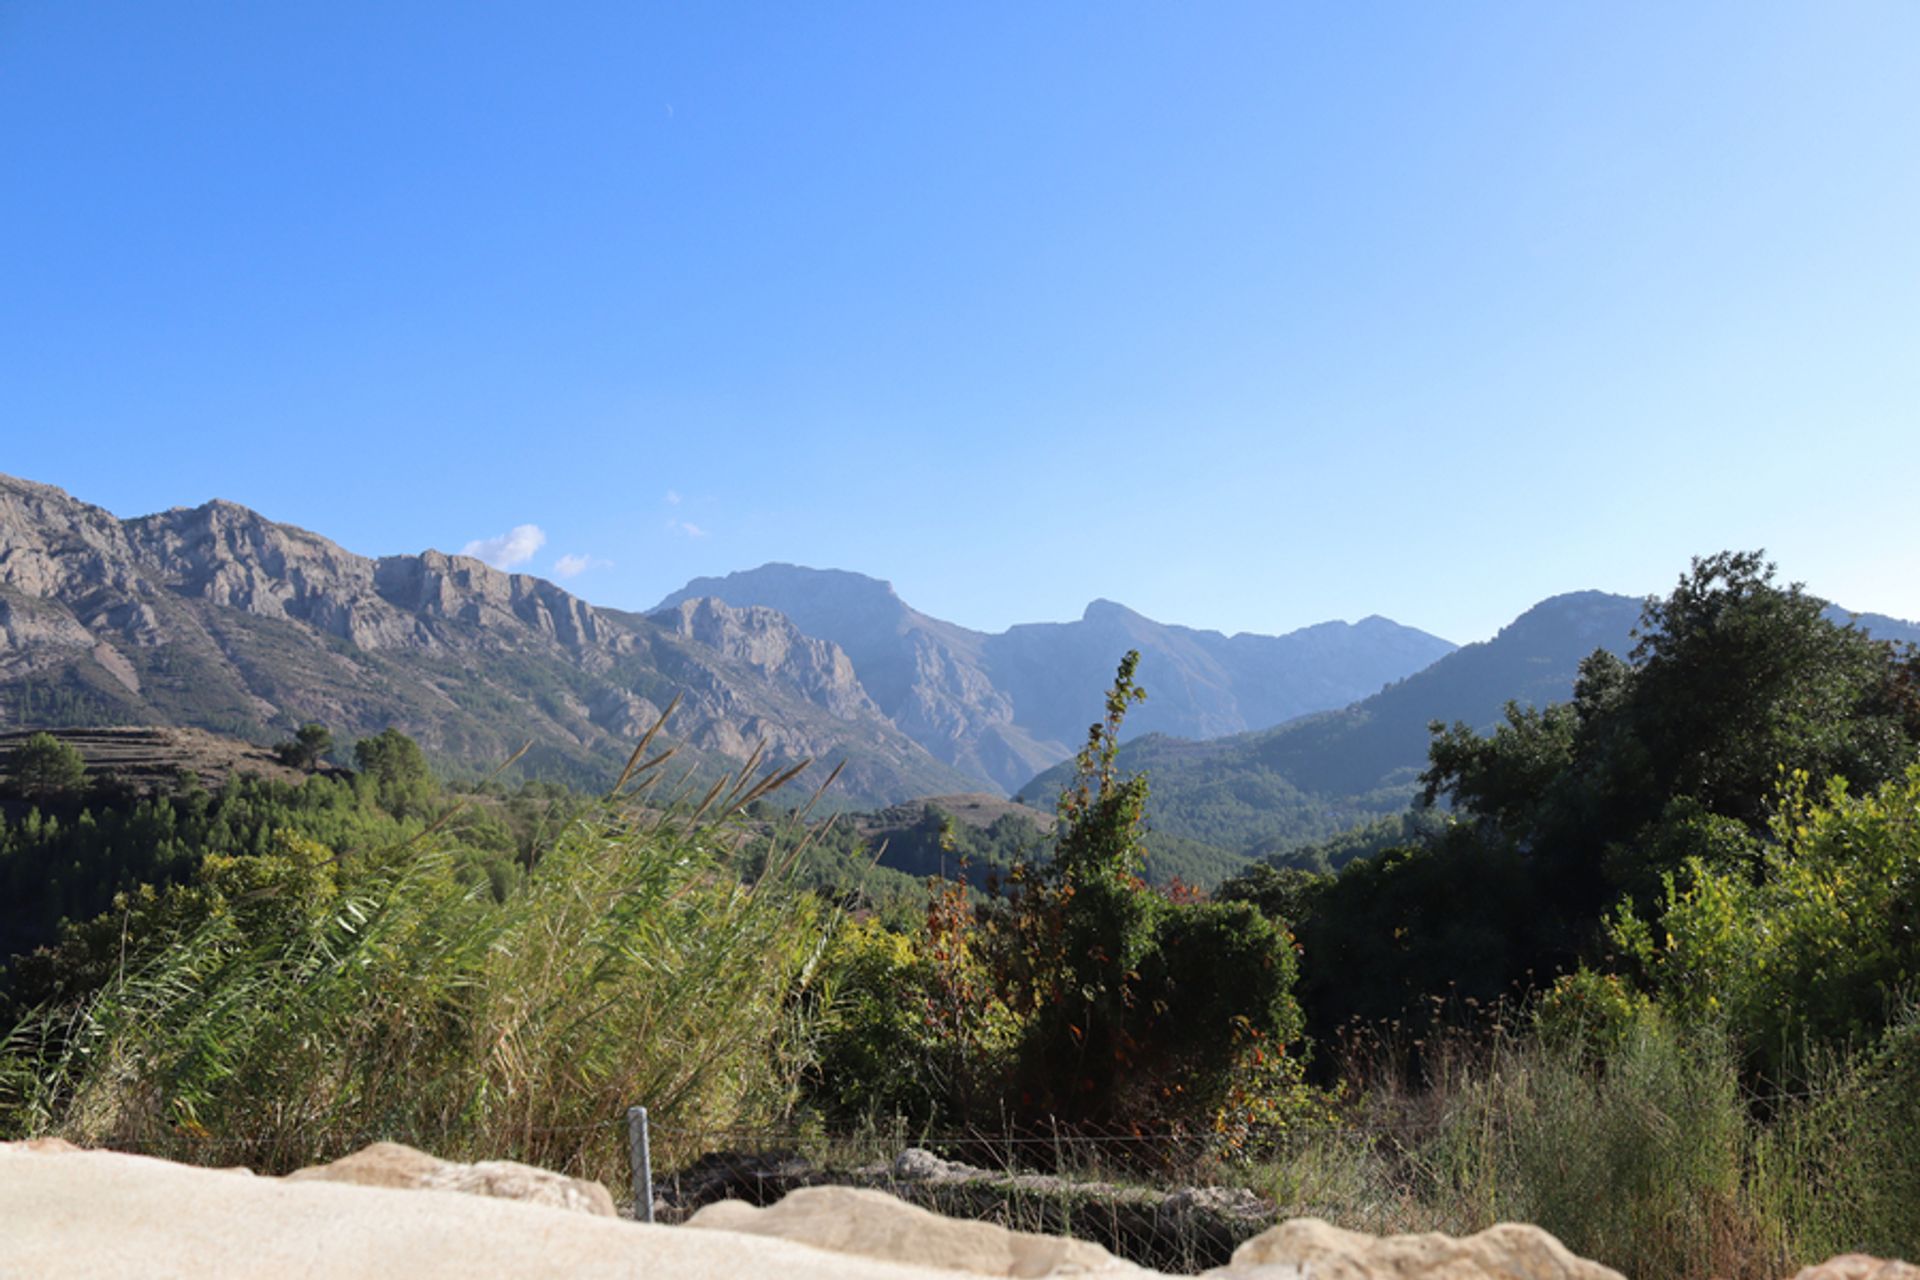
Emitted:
pixel 219 618
pixel 232 557
pixel 768 643
pixel 53 548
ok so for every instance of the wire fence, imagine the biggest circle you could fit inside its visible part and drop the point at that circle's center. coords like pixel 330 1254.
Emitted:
pixel 1174 1200
pixel 1171 1200
pixel 1048 1184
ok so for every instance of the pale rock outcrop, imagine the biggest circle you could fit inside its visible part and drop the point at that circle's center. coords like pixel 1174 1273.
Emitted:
pixel 873 1224
pixel 766 641
pixel 1508 1251
pixel 100 1214
pixel 393 1164
pixel 106 1216
pixel 1858 1266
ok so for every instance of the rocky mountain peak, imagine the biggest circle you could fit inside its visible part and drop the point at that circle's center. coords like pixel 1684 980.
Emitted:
pixel 1103 609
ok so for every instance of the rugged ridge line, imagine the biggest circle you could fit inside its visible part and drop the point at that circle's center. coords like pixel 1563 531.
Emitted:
pixel 217 618
pixel 1005 706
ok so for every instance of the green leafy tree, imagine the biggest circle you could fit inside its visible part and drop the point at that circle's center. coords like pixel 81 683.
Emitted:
pixel 1734 678
pixel 44 766
pixel 1082 925
pixel 1283 894
pixel 1561 811
pixel 311 743
pixel 1083 998
pixel 1737 676
pixel 396 768
pixel 1819 947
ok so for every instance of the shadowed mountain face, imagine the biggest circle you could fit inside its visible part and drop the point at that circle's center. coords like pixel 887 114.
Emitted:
pixel 927 676
pixel 1315 776
pixel 1002 706
pixel 217 618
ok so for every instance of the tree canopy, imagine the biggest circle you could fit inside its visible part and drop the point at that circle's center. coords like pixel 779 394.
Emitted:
pixel 311 743
pixel 1737 682
pixel 44 766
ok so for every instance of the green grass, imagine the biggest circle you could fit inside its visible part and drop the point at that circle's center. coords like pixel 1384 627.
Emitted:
pixel 1648 1156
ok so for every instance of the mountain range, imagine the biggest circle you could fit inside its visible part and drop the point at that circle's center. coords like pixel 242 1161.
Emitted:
pixel 1005 706
pixel 218 618
pixel 1312 777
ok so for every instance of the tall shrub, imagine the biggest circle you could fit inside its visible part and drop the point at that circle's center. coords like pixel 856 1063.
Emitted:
pixel 1818 946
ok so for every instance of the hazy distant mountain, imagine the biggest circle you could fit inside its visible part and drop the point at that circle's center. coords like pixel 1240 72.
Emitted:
pixel 1001 706
pixel 1200 684
pixel 927 676
pixel 1879 625
pixel 218 618
pixel 1320 774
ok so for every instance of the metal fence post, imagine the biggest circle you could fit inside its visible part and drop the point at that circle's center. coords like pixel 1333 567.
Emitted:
pixel 640 1155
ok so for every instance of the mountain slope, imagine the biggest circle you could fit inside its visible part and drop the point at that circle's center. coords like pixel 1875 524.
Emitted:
pixel 1317 775
pixel 1200 684
pixel 1879 625
pixel 1002 706
pixel 1320 774
pixel 926 675
pixel 216 618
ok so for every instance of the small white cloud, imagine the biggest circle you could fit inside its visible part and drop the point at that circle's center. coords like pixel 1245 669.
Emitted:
pixel 673 497
pixel 685 529
pixel 572 566
pixel 514 547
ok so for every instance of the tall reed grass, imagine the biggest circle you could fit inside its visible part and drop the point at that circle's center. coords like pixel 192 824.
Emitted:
pixel 633 966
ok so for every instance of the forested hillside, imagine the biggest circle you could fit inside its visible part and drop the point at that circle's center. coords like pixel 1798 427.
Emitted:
pixel 1307 780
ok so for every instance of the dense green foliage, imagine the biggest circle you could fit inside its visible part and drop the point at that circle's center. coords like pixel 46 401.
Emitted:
pixel 72 859
pixel 1811 950
pixel 1564 810
pixel 1082 997
pixel 934 844
pixel 43 768
pixel 67 859
pixel 1413 826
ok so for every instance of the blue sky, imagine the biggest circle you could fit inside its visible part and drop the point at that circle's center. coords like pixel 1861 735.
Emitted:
pixel 1247 315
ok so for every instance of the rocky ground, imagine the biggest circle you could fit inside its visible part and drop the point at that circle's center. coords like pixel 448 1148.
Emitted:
pixel 390 1210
